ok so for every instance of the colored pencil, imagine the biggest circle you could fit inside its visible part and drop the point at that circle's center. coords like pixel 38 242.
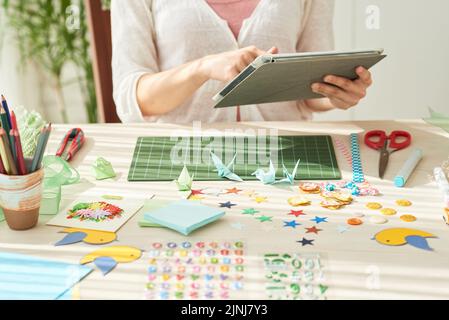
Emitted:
pixel 12 140
pixel 2 167
pixel 5 106
pixel 5 151
pixel 40 149
pixel 20 160
pixel 4 121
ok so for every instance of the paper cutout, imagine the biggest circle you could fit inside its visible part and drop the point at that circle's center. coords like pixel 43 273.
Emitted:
pixel 107 258
pixel 87 236
pixel 342 229
pixel 319 220
pixel 196 198
pixel 184 216
pixel 313 230
pixel 265 219
pixel 71 238
pixel 225 171
pixel 233 191
pixel 261 199
pixel 402 236
pixel 266 177
pixel 294 276
pixel 197 192
pixel 94 212
pixel 184 181
pixel 196 271
pixel 105 264
pixel 24 277
pixel 103 169
pixel 291 224
pixel 250 211
pixel 90 212
pixel 228 205
pixel 306 242
pixel 297 213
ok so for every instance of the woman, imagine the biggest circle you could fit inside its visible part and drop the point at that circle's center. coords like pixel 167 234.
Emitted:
pixel 170 57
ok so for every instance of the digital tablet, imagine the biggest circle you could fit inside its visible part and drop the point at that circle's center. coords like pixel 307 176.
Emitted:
pixel 288 77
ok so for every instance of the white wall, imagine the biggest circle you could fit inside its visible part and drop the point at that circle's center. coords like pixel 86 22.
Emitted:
pixel 415 76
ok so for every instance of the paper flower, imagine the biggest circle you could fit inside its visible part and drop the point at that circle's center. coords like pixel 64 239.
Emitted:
pixel 95 212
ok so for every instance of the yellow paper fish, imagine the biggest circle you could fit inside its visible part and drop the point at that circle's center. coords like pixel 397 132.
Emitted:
pixel 402 236
pixel 107 258
pixel 75 235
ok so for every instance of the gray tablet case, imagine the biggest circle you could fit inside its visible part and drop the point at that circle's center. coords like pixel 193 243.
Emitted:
pixel 279 78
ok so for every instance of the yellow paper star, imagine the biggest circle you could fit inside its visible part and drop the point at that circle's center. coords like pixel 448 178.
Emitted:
pixel 260 199
pixel 196 197
pixel 250 193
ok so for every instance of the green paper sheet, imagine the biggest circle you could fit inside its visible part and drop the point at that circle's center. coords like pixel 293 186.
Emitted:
pixel 151 205
pixel 184 216
pixel 439 120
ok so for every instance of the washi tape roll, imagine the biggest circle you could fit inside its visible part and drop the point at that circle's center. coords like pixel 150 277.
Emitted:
pixel 409 166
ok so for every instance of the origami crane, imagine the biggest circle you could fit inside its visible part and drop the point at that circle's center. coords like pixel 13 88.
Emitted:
pixel 185 181
pixel 225 171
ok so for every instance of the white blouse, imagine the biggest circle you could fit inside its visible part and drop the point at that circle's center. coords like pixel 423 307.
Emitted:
pixel 151 36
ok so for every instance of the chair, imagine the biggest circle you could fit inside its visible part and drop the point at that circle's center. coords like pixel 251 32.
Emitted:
pixel 99 22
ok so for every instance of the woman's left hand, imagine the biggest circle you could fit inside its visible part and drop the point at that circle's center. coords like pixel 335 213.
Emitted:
pixel 344 93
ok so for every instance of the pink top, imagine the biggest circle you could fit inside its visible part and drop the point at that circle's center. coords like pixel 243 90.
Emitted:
pixel 234 12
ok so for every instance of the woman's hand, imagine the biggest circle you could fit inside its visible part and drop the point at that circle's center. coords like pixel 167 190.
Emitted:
pixel 226 66
pixel 344 93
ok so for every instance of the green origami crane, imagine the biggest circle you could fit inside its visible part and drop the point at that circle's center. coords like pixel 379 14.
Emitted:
pixel 103 169
pixel 185 181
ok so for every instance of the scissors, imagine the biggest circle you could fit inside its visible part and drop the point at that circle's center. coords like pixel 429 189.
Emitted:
pixel 76 138
pixel 386 145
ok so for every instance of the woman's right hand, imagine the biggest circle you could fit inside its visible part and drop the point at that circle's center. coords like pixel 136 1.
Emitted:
pixel 226 66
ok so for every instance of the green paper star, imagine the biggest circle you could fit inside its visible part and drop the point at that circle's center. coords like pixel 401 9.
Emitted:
pixel 323 288
pixel 265 219
pixel 250 211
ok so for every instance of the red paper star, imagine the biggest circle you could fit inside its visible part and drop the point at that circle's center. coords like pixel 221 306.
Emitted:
pixel 313 230
pixel 233 191
pixel 197 192
pixel 297 213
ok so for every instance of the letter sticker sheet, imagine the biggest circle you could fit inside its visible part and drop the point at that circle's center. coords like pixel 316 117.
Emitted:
pixel 195 270
pixel 294 276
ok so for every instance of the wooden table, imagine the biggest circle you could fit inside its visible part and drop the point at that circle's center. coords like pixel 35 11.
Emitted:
pixel 356 266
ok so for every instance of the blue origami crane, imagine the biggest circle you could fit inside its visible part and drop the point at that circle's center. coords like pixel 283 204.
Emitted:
pixel 225 171
pixel 269 177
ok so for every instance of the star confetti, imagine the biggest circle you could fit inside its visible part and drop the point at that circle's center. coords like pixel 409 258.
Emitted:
pixel 292 224
pixel 306 242
pixel 196 198
pixel 313 230
pixel 297 213
pixel 233 191
pixel 228 205
pixel 237 226
pixel 196 192
pixel 319 220
pixel 342 229
pixel 265 219
pixel 260 199
pixel 250 211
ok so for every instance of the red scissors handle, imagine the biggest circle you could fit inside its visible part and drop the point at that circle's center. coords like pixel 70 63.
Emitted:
pixel 397 136
pixel 399 140
pixel 376 139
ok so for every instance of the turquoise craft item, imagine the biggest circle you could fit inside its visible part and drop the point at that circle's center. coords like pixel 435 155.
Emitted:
pixel 58 173
pixel 184 216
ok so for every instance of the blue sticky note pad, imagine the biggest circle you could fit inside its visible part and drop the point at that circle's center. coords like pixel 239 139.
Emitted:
pixel 24 277
pixel 184 216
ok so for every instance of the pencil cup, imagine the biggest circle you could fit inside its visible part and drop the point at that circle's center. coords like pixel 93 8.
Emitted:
pixel 20 199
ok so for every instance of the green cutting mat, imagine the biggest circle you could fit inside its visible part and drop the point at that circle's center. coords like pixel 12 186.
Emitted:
pixel 163 158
